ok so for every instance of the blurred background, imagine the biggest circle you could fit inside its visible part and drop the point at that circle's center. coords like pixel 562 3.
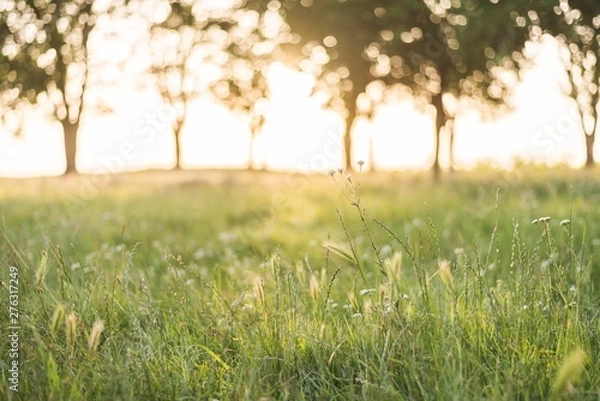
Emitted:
pixel 108 86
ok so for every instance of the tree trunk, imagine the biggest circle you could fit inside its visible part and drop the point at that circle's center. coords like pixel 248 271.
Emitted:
pixel 589 149
pixel 177 165
pixel 590 137
pixel 440 121
pixel 70 135
pixel 177 136
pixel 372 167
pixel 351 107
pixel 450 128
pixel 251 166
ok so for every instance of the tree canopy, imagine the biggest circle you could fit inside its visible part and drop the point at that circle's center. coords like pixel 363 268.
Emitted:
pixel 45 60
pixel 441 52
pixel 235 43
pixel 435 48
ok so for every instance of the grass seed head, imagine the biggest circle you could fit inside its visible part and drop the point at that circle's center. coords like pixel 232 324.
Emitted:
pixel 259 289
pixel 57 316
pixel 341 249
pixel 446 273
pixel 570 370
pixel 95 333
pixel 71 323
pixel 353 301
pixel 314 287
pixel 42 270
pixel 393 266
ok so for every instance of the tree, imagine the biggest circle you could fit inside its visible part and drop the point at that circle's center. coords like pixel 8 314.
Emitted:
pixel 447 52
pixel 576 24
pixel 436 48
pixel 174 47
pixel 234 42
pixel 327 39
pixel 45 59
pixel 252 44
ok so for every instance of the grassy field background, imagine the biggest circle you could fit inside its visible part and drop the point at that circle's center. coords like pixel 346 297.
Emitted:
pixel 249 285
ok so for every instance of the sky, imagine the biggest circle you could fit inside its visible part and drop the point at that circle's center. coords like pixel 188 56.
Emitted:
pixel 300 135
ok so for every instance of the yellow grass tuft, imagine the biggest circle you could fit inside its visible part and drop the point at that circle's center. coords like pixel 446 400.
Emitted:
pixel 58 316
pixel 314 287
pixel 95 333
pixel 341 249
pixel 259 289
pixel 71 327
pixel 42 270
pixel 570 370
pixel 445 273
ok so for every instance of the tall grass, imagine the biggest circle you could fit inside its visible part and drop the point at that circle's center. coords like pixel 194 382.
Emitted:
pixel 377 305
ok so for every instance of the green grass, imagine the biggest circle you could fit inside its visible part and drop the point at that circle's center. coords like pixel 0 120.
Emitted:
pixel 255 286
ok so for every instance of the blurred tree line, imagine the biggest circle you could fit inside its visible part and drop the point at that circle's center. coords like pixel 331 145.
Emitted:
pixel 444 54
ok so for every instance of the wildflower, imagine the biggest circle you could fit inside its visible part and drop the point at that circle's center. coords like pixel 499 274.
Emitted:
pixel 385 251
pixel 565 222
pixel 367 291
pixel 459 251
pixel 541 220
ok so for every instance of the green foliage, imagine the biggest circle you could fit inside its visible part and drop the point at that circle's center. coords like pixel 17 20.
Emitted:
pixel 431 48
pixel 44 59
pixel 174 288
pixel 238 43
pixel 42 39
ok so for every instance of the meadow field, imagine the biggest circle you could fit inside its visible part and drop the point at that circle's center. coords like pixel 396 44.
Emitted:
pixel 229 285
